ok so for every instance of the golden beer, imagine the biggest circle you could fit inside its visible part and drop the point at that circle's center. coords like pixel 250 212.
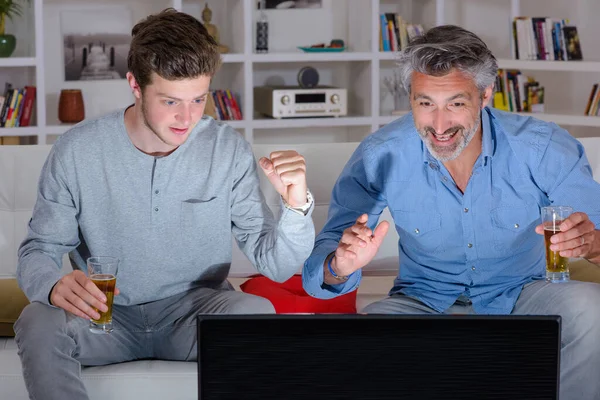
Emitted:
pixel 106 283
pixel 554 261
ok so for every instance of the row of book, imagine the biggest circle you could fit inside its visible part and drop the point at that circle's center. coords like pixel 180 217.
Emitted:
pixel 516 92
pixel 395 33
pixel 223 105
pixel 541 38
pixel 16 106
pixel 593 105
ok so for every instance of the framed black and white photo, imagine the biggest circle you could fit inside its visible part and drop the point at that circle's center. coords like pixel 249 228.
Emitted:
pixel 96 43
pixel 282 4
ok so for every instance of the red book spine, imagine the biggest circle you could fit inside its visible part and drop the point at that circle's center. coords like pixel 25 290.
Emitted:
pixel 28 103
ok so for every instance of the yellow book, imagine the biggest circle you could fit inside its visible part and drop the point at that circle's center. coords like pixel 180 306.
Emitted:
pixel 11 108
pixel 15 114
pixel 499 102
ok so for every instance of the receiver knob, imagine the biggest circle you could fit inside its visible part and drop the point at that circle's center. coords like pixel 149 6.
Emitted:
pixel 285 100
pixel 335 99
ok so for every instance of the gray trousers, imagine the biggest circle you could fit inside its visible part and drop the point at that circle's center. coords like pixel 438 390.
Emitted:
pixel 54 344
pixel 578 303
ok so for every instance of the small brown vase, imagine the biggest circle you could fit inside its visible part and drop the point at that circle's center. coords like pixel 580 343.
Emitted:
pixel 70 106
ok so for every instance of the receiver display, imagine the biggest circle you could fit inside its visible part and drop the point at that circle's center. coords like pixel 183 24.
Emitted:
pixel 310 98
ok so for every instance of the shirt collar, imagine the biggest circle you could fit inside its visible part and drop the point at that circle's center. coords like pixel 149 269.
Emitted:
pixel 487 140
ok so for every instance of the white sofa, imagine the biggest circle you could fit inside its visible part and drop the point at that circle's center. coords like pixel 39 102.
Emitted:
pixel 19 170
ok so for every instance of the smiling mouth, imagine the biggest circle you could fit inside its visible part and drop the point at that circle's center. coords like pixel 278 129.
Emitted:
pixel 446 136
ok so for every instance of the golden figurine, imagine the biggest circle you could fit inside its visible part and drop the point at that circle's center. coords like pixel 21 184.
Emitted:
pixel 212 29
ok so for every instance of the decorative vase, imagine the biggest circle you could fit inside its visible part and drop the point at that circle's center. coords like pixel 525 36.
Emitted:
pixel 70 106
pixel 7 45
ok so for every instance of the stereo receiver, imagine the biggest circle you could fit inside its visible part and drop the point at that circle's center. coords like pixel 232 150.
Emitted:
pixel 293 101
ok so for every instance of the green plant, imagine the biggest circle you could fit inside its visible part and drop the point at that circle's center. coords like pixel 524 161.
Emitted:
pixel 10 9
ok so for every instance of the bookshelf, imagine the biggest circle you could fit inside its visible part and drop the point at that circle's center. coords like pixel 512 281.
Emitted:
pixel 360 69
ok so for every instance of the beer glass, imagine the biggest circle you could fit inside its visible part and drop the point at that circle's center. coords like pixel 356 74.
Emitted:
pixel 557 267
pixel 103 272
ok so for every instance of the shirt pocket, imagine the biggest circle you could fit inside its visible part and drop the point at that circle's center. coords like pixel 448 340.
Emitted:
pixel 513 227
pixel 203 223
pixel 419 230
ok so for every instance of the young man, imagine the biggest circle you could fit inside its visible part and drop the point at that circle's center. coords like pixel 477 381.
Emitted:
pixel 162 189
pixel 464 184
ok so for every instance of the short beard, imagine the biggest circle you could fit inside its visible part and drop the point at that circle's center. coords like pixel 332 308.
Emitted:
pixel 461 144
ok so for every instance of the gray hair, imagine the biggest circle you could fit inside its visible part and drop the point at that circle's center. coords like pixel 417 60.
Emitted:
pixel 448 47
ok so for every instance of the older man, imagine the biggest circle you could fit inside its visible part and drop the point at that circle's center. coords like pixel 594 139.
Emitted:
pixel 465 184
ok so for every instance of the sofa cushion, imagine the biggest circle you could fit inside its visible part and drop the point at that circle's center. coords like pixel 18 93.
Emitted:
pixel 583 270
pixel 290 297
pixel 12 302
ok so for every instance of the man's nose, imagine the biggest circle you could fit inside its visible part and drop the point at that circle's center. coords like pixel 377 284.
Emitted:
pixel 441 121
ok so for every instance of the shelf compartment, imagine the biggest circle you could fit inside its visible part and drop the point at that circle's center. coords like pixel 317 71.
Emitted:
pixel 18 62
pixel 311 57
pixel 233 58
pixel 21 131
pixel 566 119
pixel 541 65
pixel 271 123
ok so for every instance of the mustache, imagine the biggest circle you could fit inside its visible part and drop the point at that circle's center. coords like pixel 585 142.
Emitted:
pixel 455 128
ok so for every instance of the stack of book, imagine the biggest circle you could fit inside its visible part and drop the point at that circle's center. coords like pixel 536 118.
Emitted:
pixel 518 93
pixel 545 39
pixel 222 105
pixel 16 106
pixel 395 33
pixel 593 107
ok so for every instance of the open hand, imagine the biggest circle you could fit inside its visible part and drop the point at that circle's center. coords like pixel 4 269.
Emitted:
pixel 358 246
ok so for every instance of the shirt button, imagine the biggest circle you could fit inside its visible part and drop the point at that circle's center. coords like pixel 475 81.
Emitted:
pixel 466 210
pixel 445 179
pixel 469 245
pixel 156 191
pixel 516 226
pixel 417 231
pixel 155 208
pixel 473 268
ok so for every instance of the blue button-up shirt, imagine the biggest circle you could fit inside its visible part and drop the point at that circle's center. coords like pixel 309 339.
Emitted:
pixel 481 244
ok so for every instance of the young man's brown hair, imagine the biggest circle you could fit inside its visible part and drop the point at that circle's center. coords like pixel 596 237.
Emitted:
pixel 173 44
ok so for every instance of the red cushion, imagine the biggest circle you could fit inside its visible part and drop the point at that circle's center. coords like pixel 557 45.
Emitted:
pixel 290 297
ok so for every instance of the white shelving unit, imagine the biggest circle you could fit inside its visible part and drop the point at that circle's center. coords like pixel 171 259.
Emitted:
pixel 360 69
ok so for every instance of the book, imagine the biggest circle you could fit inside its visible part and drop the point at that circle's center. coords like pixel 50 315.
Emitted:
pixel 572 43
pixel 593 94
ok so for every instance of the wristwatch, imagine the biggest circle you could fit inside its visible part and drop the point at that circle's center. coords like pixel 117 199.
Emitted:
pixel 303 210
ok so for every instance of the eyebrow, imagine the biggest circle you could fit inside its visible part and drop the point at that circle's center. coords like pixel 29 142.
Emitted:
pixel 178 99
pixel 461 95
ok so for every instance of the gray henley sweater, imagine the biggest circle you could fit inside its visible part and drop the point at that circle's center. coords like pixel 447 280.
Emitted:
pixel 169 220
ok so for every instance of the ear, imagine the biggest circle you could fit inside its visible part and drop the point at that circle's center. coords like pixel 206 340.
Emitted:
pixel 487 96
pixel 135 88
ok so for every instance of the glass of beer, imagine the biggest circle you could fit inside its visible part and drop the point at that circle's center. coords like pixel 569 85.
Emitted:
pixel 557 266
pixel 103 272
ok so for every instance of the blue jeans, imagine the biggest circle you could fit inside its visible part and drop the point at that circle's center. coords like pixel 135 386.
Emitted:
pixel 578 303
